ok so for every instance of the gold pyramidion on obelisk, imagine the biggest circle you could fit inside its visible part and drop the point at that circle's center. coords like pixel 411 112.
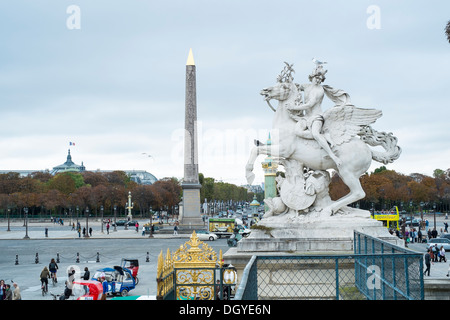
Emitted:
pixel 190 60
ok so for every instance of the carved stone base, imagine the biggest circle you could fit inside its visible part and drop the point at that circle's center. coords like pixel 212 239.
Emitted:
pixel 313 233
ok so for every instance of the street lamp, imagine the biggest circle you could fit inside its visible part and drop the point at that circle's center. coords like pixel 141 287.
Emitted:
pixel 86 235
pixel 26 223
pixel 434 213
pixel 151 222
pixel 115 212
pixel 9 216
pixel 101 222
pixel 404 228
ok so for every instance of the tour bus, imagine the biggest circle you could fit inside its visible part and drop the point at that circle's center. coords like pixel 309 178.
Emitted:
pixel 390 219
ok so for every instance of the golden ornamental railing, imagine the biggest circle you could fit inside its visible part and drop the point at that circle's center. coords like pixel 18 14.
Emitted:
pixel 192 272
pixel 164 271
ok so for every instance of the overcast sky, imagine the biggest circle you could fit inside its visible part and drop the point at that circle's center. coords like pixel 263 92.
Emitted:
pixel 110 77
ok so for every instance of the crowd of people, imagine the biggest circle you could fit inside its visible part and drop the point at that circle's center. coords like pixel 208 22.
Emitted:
pixel 8 293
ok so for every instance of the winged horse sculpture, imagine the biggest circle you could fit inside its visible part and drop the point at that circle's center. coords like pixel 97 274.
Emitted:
pixel 338 138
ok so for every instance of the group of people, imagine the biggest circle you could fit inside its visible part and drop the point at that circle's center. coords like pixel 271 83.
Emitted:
pixel 50 273
pixel 78 229
pixel 8 293
pixel 433 254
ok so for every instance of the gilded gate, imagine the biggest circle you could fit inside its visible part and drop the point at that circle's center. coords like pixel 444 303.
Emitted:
pixel 193 272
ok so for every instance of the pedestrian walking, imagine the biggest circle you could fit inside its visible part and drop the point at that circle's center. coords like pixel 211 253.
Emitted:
pixel 442 254
pixel 86 276
pixel 107 228
pixel 16 292
pixel 2 289
pixel 435 253
pixel 175 230
pixel 428 260
pixel 8 292
pixel 105 288
pixel 90 231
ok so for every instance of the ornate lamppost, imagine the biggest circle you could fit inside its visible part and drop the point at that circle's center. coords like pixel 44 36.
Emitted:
pixel 151 222
pixel 26 223
pixel 86 235
pixel 129 206
pixel 404 228
pixel 434 214
pixel 9 216
pixel 101 221
pixel 115 216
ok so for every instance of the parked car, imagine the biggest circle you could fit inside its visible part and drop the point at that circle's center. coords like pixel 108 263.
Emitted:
pixel 125 222
pixel 119 223
pixel 440 242
pixel 408 223
pixel 446 235
pixel 206 235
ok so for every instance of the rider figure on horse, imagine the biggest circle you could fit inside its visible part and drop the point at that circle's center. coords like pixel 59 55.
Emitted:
pixel 308 113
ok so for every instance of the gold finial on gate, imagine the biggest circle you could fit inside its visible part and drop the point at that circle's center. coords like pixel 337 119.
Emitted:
pixel 195 253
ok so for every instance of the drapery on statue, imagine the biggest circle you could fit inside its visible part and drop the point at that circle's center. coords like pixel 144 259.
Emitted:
pixel 308 140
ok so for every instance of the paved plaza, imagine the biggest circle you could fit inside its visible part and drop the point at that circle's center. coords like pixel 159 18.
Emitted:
pixel 112 247
pixel 64 241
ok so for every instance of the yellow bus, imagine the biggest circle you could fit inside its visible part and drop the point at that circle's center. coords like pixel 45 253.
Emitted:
pixel 390 220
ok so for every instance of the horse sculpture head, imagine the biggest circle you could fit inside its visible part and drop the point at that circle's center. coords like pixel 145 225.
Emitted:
pixel 283 89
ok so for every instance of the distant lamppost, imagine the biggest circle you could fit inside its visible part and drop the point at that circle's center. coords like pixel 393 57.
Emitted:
pixel 404 228
pixel 422 223
pixel 77 215
pixel 26 223
pixel 115 213
pixel 9 216
pixel 101 211
pixel 151 222
pixel 86 235
pixel 434 213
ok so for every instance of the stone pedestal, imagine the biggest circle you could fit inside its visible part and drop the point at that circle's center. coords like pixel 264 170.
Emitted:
pixel 313 233
pixel 191 216
pixel 306 235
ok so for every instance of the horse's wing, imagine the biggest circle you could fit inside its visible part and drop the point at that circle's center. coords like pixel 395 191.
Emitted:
pixel 344 122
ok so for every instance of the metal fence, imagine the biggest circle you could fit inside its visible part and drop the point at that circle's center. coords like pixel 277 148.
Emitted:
pixel 377 270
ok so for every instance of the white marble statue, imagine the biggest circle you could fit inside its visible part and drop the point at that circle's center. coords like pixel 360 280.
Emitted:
pixel 308 141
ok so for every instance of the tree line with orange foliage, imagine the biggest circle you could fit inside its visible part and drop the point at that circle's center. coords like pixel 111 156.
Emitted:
pixel 70 192
pixel 387 188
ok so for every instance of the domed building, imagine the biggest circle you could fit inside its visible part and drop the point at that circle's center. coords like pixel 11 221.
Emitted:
pixel 138 176
pixel 67 166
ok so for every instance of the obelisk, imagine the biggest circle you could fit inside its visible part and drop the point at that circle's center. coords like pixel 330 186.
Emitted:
pixel 191 187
